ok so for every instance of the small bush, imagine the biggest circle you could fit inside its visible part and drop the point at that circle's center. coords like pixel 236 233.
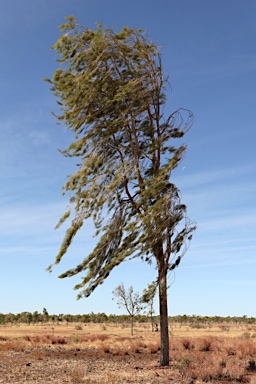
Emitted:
pixel 136 347
pixel 36 339
pixel 14 345
pixel 187 344
pixel 27 338
pixel 246 335
pixel 75 338
pixel 153 347
pixel 206 345
pixel 224 328
pixel 122 338
pixel 100 337
pixel 105 348
pixel 59 340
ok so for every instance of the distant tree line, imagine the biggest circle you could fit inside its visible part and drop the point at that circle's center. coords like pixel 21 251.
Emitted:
pixel 44 317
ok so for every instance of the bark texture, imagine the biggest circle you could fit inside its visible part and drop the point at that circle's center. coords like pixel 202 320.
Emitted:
pixel 164 334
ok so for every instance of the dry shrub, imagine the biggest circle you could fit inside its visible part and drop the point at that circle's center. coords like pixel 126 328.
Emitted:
pixel 213 359
pixel 153 347
pixel 47 338
pixel 246 348
pixel 100 337
pixel 215 368
pixel 207 344
pixel 235 370
pixel 183 365
pixel 139 344
pixel 205 372
pixel 120 348
pixel 92 338
pixel 105 348
pixel 14 345
pixel 224 328
pixel 187 344
pixel 36 339
pixel 135 346
pixel 3 338
pixel 229 348
pixel 58 340
pixel 122 338
pixel 246 335
pixel 118 351
pixel 27 338
pixel 76 339
pixel 175 345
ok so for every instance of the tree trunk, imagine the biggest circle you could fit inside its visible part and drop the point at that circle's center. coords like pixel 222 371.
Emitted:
pixel 132 326
pixel 164 336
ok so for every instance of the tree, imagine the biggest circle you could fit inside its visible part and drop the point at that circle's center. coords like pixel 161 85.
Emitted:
pixel 45 315
pixel 130 300
pixel 148 297
pixel 111 90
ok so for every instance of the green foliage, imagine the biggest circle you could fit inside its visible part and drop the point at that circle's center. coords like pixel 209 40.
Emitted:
pixel 148 297
pixel 111 90
pixel 36 317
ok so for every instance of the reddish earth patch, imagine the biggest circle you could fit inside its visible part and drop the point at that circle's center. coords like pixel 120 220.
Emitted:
pixel 75 365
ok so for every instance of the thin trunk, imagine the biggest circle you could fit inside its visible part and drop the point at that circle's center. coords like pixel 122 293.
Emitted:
pixel 164 336
pixel 132 326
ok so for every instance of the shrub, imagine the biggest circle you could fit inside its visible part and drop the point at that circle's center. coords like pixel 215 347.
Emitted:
pixel 153 347
pixel 246 335
pixel 187 344
pixel 205 345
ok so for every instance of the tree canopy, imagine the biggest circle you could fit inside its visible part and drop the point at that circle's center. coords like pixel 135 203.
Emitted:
pixel 111 89
pixel 129 300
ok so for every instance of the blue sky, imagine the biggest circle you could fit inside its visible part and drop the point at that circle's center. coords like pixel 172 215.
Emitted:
pixel 209 53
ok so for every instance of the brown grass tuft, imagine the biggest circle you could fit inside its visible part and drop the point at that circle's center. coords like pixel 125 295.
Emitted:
pixel 153 347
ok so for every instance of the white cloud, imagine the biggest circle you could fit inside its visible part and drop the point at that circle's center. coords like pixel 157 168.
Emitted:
pixel 39 137
pixel 206 177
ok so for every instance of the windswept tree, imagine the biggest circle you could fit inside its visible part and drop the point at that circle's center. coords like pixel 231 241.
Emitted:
pixel 129 300
pixel 111 91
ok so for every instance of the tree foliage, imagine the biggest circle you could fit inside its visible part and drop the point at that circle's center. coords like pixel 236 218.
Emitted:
pixel 148 297
pixel 129 300
pixel 112 91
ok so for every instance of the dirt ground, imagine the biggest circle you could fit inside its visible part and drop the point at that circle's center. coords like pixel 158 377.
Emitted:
pixel 83 366
pixel 108 354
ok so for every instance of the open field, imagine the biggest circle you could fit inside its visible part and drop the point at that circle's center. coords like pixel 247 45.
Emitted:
pixel 106 353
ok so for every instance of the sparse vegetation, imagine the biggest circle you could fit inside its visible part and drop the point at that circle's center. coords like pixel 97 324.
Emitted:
pixel 129 300
pixel 33 354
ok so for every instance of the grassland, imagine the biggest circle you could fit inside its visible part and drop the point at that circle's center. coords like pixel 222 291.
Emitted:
pixel 106 353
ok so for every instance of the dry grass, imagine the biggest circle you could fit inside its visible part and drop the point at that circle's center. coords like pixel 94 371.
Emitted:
pixel 97 353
